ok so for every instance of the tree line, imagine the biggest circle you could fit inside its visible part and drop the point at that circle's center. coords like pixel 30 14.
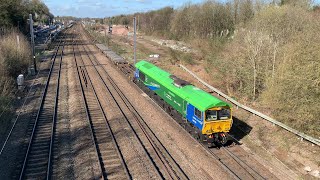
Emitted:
pixel 15 13
pixel 207 20
pixel 263 52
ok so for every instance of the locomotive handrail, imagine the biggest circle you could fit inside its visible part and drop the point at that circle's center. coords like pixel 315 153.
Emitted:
pixel 263 116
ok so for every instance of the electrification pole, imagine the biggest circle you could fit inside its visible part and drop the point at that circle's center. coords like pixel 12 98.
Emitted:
pixel 32 43
pixel 134 39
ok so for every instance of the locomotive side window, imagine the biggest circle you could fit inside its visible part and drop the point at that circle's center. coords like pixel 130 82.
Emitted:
pixel 197 112
pixel 142 76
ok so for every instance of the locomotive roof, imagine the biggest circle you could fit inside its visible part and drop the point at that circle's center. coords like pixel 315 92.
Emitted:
pixel 197 97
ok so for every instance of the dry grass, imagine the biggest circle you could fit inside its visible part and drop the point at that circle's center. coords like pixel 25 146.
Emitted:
pixel 14 60
pixel 15 57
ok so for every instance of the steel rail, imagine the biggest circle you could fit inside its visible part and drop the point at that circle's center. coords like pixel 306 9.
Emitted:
pixel 37 118
pixel 222 164
pixel 23 105
pixel 54 117
pixel 89 118
pixel 142 124
pixel 16 91
pixel 228 169
pixel 107 124
pixel 125 117
pixel 244 165
pixel 86 109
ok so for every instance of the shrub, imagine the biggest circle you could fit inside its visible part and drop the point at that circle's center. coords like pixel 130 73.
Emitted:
pixel 14 59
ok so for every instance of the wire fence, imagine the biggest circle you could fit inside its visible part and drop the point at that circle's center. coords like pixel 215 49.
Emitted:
pixel 263 116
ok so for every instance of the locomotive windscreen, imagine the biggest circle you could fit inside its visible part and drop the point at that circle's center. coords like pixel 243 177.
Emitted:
pixel 223 114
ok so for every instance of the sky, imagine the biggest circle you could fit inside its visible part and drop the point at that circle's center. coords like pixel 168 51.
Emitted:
pixel 107 8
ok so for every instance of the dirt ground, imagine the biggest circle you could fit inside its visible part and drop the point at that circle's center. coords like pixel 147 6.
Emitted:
pixel 283 152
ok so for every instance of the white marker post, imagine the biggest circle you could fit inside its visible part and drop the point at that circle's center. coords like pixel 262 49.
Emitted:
pixel 18 42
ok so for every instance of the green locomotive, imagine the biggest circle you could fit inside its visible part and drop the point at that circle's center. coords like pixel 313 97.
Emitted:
pixel 206 117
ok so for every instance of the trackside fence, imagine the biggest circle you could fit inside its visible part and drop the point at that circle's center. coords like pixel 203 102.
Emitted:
pixel 300 134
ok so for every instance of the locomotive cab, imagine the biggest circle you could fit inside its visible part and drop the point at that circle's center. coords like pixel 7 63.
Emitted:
pixel 217 122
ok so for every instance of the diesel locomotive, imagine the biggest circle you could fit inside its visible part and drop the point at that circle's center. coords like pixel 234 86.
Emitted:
pixel 206 117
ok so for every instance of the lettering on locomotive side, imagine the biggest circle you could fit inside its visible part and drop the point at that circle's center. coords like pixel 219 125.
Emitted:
pixel 173 95
pixel 196 120
pixel 177 103
pixel 168 96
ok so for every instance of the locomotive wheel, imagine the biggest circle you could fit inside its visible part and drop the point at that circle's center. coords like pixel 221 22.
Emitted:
pixel 223 139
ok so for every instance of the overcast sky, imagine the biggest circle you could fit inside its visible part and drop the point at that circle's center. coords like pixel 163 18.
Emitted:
pixel 106 8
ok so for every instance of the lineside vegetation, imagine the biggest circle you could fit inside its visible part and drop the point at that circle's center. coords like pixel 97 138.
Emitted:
pixel 265 53
pixel 15 57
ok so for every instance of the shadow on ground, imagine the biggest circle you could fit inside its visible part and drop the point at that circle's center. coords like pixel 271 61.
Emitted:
pixel 239 129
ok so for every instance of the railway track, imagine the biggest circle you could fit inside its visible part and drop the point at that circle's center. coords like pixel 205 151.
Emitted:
pixel 232 162
pixel 17 141
pixel 229 158
pixel 62 151
pixel 88 64
pixel 126 69
pixel 38 158
pixel 166 165
pixel 170 166
pixel 112 165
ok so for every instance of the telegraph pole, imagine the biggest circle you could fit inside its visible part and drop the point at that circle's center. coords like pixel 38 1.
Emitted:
pixel 134 39
pixel 32 43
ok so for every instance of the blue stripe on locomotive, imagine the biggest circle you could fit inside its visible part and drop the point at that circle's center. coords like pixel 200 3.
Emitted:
pixel 153 88
pixel 136 73
pixel 190 115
